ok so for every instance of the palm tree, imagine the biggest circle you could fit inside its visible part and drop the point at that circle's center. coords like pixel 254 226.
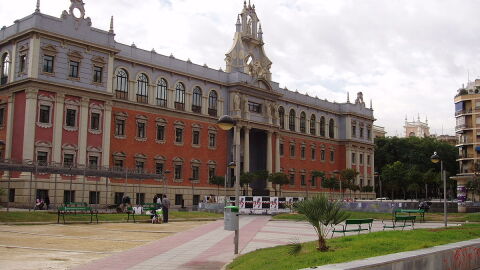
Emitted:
pixel 321 214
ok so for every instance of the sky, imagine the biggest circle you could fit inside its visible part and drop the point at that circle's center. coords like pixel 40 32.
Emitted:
pixel 408 56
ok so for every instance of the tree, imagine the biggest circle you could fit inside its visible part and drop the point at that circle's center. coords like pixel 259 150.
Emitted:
pixel 394 174
pixel 218 181
pixel 246 179
pixel 348 176
pixel 473 186
pixel 321 214
pixel 279 179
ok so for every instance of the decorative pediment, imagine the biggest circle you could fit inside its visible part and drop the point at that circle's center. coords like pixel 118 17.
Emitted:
pixel 122 115
pixel 49 49
pixel 161 120
pixel 195 162
pixel 43 144
pixel 119 154
pixel 99 60
pixel 140 156
pixel 75 56
pixel 68 146
pixel 142 117
pixel 160 158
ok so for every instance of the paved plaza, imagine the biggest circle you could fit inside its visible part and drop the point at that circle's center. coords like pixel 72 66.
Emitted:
pixel 209 246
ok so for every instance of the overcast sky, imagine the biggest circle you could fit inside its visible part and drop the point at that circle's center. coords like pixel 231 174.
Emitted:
pixel 408 56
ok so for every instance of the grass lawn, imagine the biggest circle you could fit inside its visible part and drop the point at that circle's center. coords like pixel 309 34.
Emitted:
pixel 41 216
pixel 351 248
pixel 458 217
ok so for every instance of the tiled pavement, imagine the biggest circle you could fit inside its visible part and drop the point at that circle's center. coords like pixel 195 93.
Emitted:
pixel 210 247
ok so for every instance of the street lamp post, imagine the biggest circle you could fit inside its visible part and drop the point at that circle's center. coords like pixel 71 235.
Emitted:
pixel 226 122
pixel 379 182
pixel 165 181
pixel 435 159
pixel 337 172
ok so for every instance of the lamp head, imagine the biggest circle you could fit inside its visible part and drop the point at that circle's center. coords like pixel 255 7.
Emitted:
pixel 226 122
pixel 232 165
pixel 435 158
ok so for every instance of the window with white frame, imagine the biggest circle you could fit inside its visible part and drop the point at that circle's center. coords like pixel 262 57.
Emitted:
pixel 303 122
pixel 212 103
pixel 177 169
pixel 179 128
pixel 71 115
pixel 197 100
pixel 121 81
pixel 212 169
pixel 313 128
pixel 141 128
pixel 119 160
pixel 142 88
pixel 180 96
pixel 161 96
pixel 161 130
pixel 140 160
pixel 195 170
pixel 5 68
pixel 196 135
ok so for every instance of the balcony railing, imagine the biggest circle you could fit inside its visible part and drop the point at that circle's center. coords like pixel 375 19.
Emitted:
pixel 465 156
pixel 121 95
pixel 464 111
pixel 142 99
pixel 180 106
pixel 196 109
pixel 161 102
pixel 212 112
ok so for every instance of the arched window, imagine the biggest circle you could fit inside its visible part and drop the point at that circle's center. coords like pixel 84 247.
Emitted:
pixel 142 88
pixel 5 68
pixel 281 116
pixel 180 96
pixel 291 120
pixel 303 122
pixel 212 103
pixel 322 126
pixel 313 128
pixel 162 87
pixel 197 100
pixel 331 128
pixel 122 84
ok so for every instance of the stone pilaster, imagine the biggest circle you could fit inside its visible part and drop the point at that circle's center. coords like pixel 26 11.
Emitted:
pixel 107 120
pixel 82 131
pixel 34 57
pixel 110 75
pixel 277 152
pixel 269 157
pixel 9 135
pixel 29 125
pixel 58 127
pixel 246 150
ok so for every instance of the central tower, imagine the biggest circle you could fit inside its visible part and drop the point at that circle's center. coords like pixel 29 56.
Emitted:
pixel 247 54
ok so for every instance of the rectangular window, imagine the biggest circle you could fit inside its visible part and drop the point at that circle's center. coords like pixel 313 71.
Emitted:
pixel 42 158
pixel 292 179
pixel 302 180
pixel 178 199
pixel 322 155
pixel 160 133
pixel 73 72
pixel 281 150
pixel 70 118
pixel 178 172
pixel 212 140
pixel 97 74
pixel 313 154
pixel 141 130
pixel 120 127
pixel 140 198
pixel 11 195
pixel 361 132
pixel 95 121
pixel 68 196
pixel 118 197
pixel 23 63
pixel 195 172
pixel 139 165
pixel 94 197
pixel 196 137
pixel 354 131
pixel 44 116
pixel 211 172
pixel 314 181
pixel 48 63
pixel 302 152
pixel 2 116
pixel 332 156
pixel 353 158
pixel 369 134
pixel 158 168
pixel 178 135
pixel 93 162
pixel 196 199
pixel 292 150
pixel 68 159
pixel 368 160
pixel 118 163
pixel 254 107
pixel 361 159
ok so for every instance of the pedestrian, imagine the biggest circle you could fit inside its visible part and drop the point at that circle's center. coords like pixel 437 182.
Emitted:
pixel 165 207
pixel 155 198
pixel 47 201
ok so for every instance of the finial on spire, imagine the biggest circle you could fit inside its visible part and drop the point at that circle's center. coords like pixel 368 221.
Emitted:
pixel 406 118
pixel 245 4
pixel 249 6
pixel 348 97
pixel 418 117
pixel 371 105
pixel 37 9
pixel 111 25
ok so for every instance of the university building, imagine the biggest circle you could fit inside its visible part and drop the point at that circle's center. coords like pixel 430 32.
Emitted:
pixel 73 97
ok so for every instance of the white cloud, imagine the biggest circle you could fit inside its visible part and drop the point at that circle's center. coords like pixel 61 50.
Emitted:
pixel 408 56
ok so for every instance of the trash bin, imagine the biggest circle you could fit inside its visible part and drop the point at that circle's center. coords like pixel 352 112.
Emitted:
pixel 230 219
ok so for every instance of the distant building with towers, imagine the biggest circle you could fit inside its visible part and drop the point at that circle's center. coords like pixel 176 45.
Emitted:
pixel 416 128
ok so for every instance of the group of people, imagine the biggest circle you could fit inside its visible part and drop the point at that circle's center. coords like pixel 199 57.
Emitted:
pixel 41 202
pixel 164 204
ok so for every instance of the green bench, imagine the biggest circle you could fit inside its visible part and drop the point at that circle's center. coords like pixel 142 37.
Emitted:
pixel 367 221
pixel 146 207
pixel 420 212
pixel 75 208
pixel 400 222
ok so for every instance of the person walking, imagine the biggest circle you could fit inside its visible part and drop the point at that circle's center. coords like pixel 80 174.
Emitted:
pixel 165 207
pixel 47 201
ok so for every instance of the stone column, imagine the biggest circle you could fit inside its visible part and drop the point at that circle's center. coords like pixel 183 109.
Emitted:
pixel 110 75
pixel 277 152
pixel 205 104
pixel 170 98
pixel 151 94
pixel 357 167
pixel 107 120
pixel 269 157
pixel 34 57
pixel 372 168
pixel 9 135
pixel 188 101
pixel 29 125
pixel 13 63
pixel 58 127
pixel 83 131
pixel 246 150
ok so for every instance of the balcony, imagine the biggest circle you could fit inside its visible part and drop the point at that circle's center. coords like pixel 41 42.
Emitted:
pixel 462 126
pixel 121 95
pixel 161 102
pixel 465 155
pixel 469 111
pixel 180 106
pixel 196 109
pixel 142 99
pixel 212 112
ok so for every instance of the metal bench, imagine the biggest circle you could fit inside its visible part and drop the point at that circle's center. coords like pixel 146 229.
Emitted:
pixel 420 212
pixel 76 209
pixel 359 222
pixel 400 222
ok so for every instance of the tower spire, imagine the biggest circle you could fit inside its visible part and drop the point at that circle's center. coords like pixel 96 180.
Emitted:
pixel 111 25
pixel 371 106
pixel 37 9
pixel 348 97
pixel 238 25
